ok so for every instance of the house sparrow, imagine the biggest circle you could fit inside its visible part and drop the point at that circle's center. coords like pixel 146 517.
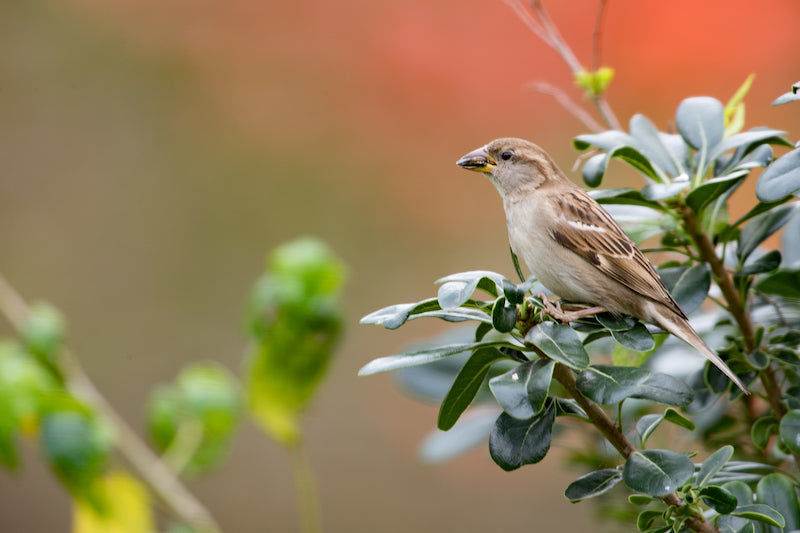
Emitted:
pixel 573 246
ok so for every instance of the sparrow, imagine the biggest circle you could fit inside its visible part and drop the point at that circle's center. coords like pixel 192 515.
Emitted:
pixel 573 246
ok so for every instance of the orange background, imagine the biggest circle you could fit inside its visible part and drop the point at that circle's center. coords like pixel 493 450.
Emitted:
pixel 152 152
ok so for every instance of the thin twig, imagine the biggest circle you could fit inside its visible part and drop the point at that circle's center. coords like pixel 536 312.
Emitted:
pixel 554 36
pixel 568 104
pixel 598 25
pixel 536 18
pixel 161 480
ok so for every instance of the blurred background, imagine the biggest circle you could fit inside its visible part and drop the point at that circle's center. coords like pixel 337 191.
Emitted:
pixel 152 152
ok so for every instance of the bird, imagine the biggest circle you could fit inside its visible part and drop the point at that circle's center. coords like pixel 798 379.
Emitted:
pixel 574 247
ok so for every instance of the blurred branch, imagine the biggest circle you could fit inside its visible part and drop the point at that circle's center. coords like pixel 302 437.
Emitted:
pixel 568 104
pixel 536 18
pixel 306 488
pixel 598 26
pixel 161 480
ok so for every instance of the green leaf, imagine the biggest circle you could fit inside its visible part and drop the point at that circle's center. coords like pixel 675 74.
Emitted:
pixel 674 417
pixel 194 418
pixel 456 289
pixel 615 322
pixel 761 227
pixel 640 499
pixel 606 140
pixel 746 138
pixel 657 472
pixel 635 159
pixel 559 342
pixel 515 294
pixel 790 242
pixel 664 389
pixel 567 407
pixel 594 169
pixel 648 423
pixel 637 338
pixel 790 96
pixel 43 332
pixel 790 430
pixel 689 286
pixel 485 280
pixel 471 431
pixel 75 446
pixel 606 384
pixel 780 494
pixel 466 385
pixel 760 513
pixel 593 484
pixel 663 191
pixel 768 262
pixel 420 357
pixel 514 443
pixel 719 499
pixel 701 121
pixel 523 390
pixel 784 283
pixel 780 179
pixel 744 496
pixel 394 316
pixel 646 519
pixel 714 188
pixel 504 317
pixel 623 196
pixel 652 145
pixel 712 465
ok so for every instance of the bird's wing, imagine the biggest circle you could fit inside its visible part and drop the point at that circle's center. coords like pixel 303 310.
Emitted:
pixel 587 229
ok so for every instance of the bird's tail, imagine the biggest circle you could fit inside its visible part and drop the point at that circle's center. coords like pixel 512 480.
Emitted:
pixel 681 328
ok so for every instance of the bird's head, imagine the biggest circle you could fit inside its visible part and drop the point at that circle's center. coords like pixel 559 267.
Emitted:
pixel 512 165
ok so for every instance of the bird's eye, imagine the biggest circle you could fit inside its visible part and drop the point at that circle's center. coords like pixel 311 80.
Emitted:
pixel 508 154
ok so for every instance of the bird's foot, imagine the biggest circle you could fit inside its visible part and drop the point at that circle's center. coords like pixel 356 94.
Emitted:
pixel 572 314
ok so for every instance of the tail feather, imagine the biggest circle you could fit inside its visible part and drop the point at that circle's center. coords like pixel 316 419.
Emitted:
pixel 681 328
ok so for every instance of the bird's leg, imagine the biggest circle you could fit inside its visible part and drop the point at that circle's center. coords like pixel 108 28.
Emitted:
pixel 555 310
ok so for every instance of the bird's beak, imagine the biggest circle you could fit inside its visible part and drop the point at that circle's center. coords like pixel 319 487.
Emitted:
pixel 478 160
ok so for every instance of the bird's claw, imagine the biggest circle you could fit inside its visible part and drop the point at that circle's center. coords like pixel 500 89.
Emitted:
pixel 565 317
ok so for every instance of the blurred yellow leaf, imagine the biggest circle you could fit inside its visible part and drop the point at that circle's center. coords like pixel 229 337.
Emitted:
pixel 734 110
pixel 595 83
pixel 126 509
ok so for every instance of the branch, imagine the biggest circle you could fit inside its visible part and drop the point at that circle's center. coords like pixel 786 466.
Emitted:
pixel 736 308
pixel 568 104
pixel 536 18
pixel 601 420
pixel 614 435
pixel 598 25
pixel 161 480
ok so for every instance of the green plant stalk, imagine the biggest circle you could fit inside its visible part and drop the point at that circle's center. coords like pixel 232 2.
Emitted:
pixel 161 480
pixel 617 438
pixel 305 488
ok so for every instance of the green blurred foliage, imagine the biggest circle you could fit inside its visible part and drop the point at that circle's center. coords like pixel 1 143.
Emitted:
pixel 295 320
pixel 193 419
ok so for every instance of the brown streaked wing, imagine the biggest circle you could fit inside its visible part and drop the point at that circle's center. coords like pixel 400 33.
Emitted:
pixel 607 247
